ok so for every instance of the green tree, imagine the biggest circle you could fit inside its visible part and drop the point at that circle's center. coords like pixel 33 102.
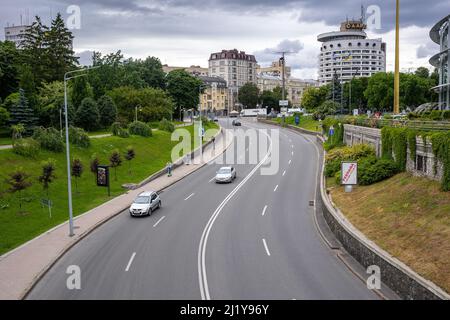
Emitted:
pixel 51 104
pixel 249 95
pixel 9 73
pixel 152 73
pixel 35 50
pixel 108 111
pixel 115 160
pixel 80 91
pixel 48 174
pixel 59 48
pixel 87 115
pixel 18 181
pixel 183 89
pixel 22 113
pixel 107 76
pixel 358 86
pixel 269 100
pixel 4 116
pixel 314 97
pixel 27 83
pixel 422 72
pixel 380 91
pixel 77 171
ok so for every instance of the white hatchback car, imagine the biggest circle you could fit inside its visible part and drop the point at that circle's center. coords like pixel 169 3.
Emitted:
pixel 145 203
pixel 225 174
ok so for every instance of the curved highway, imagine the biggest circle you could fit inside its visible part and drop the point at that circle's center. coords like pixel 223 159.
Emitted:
pixel 252 239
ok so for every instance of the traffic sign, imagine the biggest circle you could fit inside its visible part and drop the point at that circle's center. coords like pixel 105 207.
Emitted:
pixel 297 120
pixel 349 173
pixel 284 103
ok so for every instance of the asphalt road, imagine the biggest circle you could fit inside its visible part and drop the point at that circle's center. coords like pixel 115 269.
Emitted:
pixel 252 239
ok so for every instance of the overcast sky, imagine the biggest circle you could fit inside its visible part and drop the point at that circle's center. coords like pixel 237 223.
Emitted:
pixel 185 32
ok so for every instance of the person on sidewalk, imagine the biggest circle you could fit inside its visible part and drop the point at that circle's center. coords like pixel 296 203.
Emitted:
pixel 169 169
pixel 214 142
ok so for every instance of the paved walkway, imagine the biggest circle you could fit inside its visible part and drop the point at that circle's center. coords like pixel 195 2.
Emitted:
pixel 21 267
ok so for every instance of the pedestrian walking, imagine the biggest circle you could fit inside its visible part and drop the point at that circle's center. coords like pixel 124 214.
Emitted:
pixel 169 169
pixel 214 142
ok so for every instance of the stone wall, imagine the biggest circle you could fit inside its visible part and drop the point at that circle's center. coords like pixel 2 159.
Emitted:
pixel 423 166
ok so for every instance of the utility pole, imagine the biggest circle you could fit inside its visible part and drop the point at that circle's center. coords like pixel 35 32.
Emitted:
pixel 397 60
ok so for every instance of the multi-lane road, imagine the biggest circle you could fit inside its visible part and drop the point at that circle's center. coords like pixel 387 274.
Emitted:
pixel 252 239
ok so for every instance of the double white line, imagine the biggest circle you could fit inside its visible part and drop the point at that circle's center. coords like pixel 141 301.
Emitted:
pixel 202 278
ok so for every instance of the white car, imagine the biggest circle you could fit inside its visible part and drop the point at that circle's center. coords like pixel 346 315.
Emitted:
pixel 144 204
pixel 225 174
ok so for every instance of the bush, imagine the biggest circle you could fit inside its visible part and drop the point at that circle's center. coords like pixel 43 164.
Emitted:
pixel 327 108
pixel 49 139
pixel 446 114
pixel 139 128
pixel 123 133
pixel 166 125
pixel 28 147
pixel 334 158
pixel 115 128
pixel 79 137
pixel 374 170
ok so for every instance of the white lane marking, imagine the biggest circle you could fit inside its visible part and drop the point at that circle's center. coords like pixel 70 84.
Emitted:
pixel 264 211
pixel 290 161
pixel 265 247
pixel 162 218
pixel 189 197
pixel 202 277
pixel 213 178
pixel 284 172
pixel 275 188
pixel 292 152
pixel 292 146
pixel 130 262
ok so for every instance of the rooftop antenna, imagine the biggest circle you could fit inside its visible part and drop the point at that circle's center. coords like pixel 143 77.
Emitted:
pixel 363 14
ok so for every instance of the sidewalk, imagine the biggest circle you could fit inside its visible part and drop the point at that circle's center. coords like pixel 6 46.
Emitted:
pixel 23 266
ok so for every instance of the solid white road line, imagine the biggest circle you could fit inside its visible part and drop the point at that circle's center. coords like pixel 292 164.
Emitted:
pixel 275 188
pixel 189 197
pixel 290 161
pixel 130 262
pixel 202 277
pixel 265 247
pixel 284 172
pixel 162 218
pixel 212 179
pixel 264 211
pixel 292 152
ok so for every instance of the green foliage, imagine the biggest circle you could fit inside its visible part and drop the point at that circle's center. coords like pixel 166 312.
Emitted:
pixel 166 125
pixel 48 174
pixel 115 160
pixel 412 143
pixel 87 115
pixel 441 151
pixel 115 127
pixel 77 171
pixel 327 108
pixel 22 113
pixel 80 91
pixel 372 170
pixel 50 103
pixel 108 111
pixel 4 116
pixel 49 139
pixel 154 104
pixel 314 97
pixel 249 95
pixel 336 140
pixel 79 137
pixel 93 165
pixel 183 89
pixel 9 65
pixel 335 157
pixel 130 154
pixel 394 143
pixel 140 129
pixel 28 148
pixel 17 131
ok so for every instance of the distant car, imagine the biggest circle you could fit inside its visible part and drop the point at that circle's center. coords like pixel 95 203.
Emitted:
pixel 225 174
pixel 145 203
pixel 215 119
pixel 236 123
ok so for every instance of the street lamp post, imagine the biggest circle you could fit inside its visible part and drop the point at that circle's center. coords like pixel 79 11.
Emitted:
pixel 136 111
pixel 67 77
pixel 397 60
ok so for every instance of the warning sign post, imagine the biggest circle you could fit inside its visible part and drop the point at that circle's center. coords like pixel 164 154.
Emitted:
pixel 349 175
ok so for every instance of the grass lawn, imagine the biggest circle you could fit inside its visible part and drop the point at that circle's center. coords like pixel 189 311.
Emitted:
pixel 306 122
pixel 5 141
pixel 407 216
pixel 18 226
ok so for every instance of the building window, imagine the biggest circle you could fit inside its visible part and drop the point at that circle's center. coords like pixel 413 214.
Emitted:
pixel 421 163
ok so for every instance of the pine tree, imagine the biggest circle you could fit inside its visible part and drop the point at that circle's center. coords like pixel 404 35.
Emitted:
pixel 80 91
pixel 35 49
pixel 87 115
pixel 22 113
pixel 108 111
pixel 60 49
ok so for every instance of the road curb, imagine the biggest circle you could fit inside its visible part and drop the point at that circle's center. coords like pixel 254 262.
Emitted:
pixel 88 231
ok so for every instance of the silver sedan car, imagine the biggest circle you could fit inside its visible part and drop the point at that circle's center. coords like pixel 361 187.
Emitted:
pixel 225 174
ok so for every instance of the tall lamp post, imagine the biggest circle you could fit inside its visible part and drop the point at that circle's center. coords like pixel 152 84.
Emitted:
pixel 397 60
pixel 67 76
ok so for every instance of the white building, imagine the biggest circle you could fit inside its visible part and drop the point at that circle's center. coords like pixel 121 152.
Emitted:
pixel 235 67
pixel 349 53
pixel 15 34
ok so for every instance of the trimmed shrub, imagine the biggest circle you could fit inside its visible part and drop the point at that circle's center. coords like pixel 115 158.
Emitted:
pixel 115 128
pixel 372 170
pixel 79 137
pixel 166 125
pixel 139 128
pixel 334 158
pixel 28 147
pixel 49 139
pixel 123 133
